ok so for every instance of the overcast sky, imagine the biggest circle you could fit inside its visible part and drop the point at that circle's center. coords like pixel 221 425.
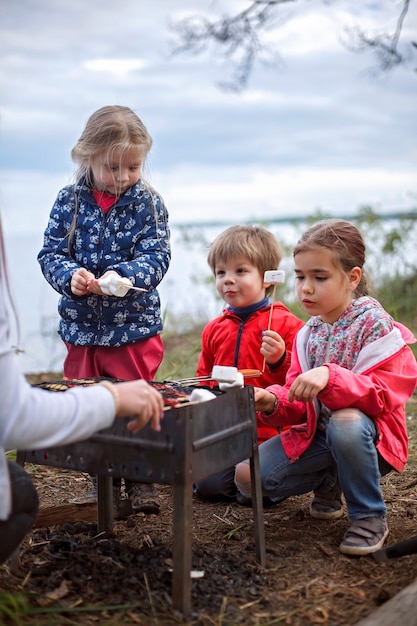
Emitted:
pixel 320 131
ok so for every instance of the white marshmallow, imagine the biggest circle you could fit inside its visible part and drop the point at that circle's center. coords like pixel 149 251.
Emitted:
pixel 224 374
pixel 274 276
pixel 237 384
pixel 115 285
pixel 201 395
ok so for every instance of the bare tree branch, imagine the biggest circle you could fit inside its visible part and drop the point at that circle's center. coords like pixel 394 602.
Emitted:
pixel 240 38
pixel 384 45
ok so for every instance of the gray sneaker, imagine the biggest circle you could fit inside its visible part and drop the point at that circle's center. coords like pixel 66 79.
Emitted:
pixel 122 508
pixel 365 536
pixel 143 497
pixel 327 504
pixel 92 491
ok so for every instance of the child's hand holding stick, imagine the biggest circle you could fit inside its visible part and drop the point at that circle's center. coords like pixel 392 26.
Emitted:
pixel 273 277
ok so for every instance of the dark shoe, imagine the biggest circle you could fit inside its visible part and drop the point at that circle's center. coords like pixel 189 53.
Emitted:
pixel 327 504
pixel 267 502
pixel 122 506
pixel 243 500
pixel 365 536
pixel 119 503
pixel 92 492
pixel 144 498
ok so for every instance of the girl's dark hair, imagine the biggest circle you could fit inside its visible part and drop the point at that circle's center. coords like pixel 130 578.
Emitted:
pixel 345 242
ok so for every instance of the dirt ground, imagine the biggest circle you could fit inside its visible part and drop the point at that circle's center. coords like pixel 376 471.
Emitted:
pixel 85 578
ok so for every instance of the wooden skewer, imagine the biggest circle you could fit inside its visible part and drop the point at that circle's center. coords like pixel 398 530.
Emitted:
pixel 180 403
pixel 138 289
pixel 250 373
pixel 168 407
pixel 270 319
pixel 272 277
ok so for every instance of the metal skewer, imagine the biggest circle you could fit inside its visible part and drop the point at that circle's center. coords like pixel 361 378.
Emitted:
pixel 194 380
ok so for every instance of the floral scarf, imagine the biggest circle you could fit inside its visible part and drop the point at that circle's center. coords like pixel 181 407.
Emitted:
pixel 363 322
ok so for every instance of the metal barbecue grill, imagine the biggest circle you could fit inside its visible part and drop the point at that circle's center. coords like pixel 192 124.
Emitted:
pixel 195 441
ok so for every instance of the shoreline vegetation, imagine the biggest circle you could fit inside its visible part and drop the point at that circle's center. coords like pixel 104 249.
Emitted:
pixel 391 266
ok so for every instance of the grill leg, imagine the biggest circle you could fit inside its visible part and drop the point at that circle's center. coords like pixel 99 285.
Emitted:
pixel 181 551
pixel 105 503
pixel 257 506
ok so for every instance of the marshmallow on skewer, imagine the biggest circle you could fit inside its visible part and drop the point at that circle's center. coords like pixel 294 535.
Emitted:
pixel 227 377
pixel 238 383
pixel 224 374
pixel 115 285
pixel 201 395
pixel 275 277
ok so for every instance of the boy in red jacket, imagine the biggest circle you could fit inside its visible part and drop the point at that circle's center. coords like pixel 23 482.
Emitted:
pixel 247 335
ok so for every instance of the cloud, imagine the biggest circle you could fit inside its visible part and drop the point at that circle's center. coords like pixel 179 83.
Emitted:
pixel 319 130
pixel 121 68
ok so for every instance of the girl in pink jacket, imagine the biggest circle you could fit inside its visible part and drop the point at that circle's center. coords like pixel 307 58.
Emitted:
pixel 351 374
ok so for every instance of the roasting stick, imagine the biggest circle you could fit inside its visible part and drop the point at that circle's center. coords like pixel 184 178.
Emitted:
pixel 274 277
pixel 247 373
pixel 220 373
pixel 138 289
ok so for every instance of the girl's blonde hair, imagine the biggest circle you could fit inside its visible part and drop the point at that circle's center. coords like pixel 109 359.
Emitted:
pixel 113 127
pixel 255 243
pixel 109 128
pixel 345 242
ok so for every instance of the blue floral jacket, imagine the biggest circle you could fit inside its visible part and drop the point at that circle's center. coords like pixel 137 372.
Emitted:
pixel 133 239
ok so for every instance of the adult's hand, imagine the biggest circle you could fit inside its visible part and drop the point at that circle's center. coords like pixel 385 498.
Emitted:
pixel 139 400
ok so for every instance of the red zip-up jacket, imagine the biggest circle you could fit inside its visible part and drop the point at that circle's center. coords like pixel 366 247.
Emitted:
pixel 227 340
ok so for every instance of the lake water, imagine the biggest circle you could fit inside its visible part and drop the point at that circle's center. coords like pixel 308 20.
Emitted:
pixel 186 294
pixel 187 291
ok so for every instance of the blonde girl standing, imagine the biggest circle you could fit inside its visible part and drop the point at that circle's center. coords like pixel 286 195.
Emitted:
pixel 110 227
pixel 344 396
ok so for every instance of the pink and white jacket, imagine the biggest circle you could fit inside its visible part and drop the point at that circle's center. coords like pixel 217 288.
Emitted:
pixel 371 369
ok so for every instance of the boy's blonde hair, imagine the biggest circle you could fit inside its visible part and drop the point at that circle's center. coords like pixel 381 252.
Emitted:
pixel 112 127
pixel 255 243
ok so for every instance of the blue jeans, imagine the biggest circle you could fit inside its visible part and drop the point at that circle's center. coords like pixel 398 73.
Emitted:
pixel 345 452
pixel 218 487
pixel 24 511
